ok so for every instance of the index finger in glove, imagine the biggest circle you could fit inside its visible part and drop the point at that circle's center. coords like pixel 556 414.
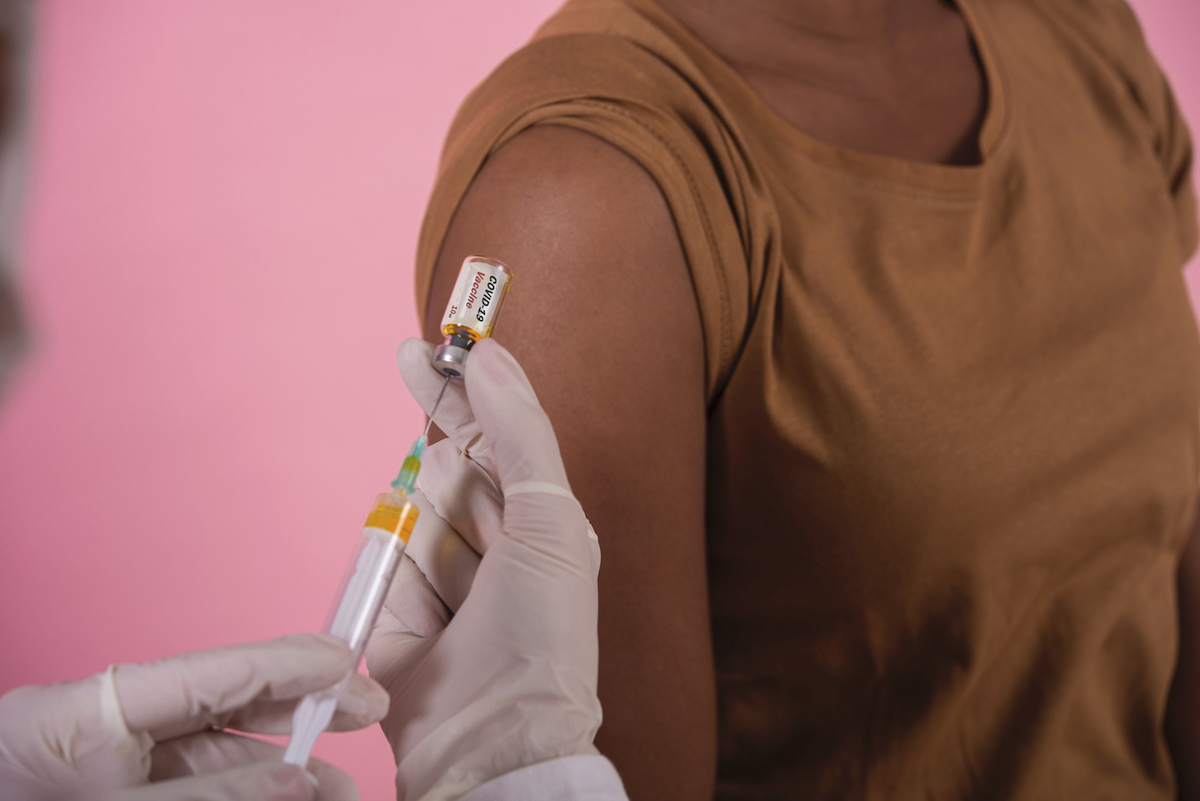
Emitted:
pixel 462 494
pixel 528 463
pixel 191 692
pixel 506 409
pixel 412 616
pixel 444 556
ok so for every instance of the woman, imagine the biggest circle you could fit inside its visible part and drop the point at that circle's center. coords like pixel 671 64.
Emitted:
pixel 863 330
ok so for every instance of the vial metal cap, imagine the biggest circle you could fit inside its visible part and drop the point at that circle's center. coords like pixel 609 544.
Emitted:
pixel 450 360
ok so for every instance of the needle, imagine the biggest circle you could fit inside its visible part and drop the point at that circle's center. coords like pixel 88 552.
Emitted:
pixel 406 481
pixel 436 404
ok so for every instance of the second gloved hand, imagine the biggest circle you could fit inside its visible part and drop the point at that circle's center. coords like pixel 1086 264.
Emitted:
pixel 511 680
pixel 154 732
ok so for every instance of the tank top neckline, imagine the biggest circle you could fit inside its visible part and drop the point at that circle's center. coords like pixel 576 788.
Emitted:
pixel 942 179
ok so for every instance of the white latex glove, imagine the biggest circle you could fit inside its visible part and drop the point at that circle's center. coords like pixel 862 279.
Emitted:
pixel 511 680
pixel 152 732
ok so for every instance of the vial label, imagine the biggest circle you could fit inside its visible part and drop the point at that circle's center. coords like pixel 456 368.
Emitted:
pixel 476 298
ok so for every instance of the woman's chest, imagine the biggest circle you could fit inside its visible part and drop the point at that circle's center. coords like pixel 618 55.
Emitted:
pixel 990 382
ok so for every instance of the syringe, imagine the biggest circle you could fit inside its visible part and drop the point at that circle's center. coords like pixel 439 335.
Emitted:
pixel 384 536
pixel 470 317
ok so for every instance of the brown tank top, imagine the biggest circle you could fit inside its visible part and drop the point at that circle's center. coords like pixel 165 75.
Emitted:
pixel 953 441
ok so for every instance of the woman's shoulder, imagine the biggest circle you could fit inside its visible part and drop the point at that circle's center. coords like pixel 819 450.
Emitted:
pixel 602 68
pixel 596 50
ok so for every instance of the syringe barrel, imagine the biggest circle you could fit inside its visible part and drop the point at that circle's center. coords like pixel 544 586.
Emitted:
pixel 353 615
pixel 371 572
pixel 367 583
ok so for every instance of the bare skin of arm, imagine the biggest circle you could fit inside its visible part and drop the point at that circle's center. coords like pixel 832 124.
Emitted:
pixel 1183 705
pixel 603 318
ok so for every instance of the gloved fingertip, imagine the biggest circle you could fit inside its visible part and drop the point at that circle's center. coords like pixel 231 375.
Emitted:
pixel 496 364
pixel 519 433
pixel 498 378
pixel 413 351
pixel 336 646
pixel 290 782
pixel 331 641
pixel 334 785
pixel 379 699
pixel 364 699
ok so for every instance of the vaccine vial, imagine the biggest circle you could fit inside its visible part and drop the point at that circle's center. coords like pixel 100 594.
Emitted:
pixel 471 312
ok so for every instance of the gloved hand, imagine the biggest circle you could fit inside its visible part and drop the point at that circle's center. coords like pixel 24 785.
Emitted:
pixel 511 679
pixel 110 735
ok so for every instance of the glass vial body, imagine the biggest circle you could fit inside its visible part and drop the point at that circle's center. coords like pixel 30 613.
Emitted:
pixel 472 311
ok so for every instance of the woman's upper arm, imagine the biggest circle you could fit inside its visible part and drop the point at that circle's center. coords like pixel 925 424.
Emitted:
pixel 603 318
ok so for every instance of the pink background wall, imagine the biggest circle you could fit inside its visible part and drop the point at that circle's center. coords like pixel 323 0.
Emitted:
pixel 225 204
